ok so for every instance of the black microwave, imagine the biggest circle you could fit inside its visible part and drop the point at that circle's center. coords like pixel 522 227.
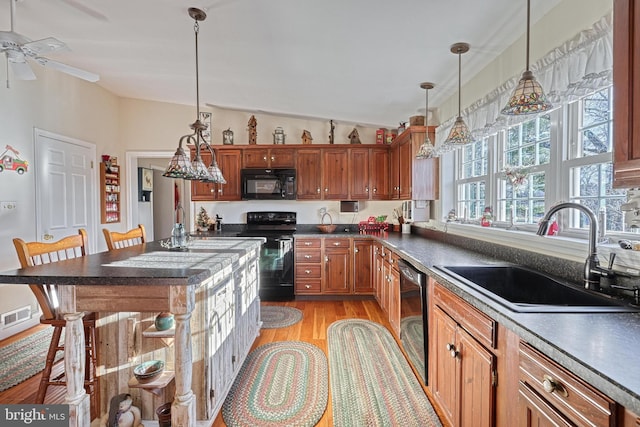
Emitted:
pixel 268 184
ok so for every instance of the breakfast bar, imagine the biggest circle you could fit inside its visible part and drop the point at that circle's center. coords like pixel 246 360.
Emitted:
pixel 147 277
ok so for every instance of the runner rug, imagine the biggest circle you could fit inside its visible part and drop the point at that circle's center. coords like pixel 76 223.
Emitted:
pixel 280 384
pixel 372 383
pixel 24 358
pixel 276 316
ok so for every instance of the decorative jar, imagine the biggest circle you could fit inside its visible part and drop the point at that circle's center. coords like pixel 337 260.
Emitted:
pixel 164 321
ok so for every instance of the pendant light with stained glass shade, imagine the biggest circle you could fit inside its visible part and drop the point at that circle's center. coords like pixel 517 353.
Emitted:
pixel 181 165
pixel 460 134
pixel 426 150
pixel 528 97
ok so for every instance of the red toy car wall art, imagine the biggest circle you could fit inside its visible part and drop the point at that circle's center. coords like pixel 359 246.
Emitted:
pixel 10 160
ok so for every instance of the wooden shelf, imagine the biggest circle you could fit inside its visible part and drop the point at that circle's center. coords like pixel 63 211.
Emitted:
pixel 166 336
pixel 156 386
pixel 109 193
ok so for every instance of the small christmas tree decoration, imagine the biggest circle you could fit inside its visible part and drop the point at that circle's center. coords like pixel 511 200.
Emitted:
pixel 203 220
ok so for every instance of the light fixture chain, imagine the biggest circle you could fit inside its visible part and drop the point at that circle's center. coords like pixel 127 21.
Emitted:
pixel 528 27
pixel 196 29
pixel 459 82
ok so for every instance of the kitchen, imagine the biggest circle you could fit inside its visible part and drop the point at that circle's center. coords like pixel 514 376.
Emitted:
pixel 121 119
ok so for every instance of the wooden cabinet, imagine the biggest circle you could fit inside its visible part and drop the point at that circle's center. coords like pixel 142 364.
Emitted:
pixel 308 266
pixel 626 96
pixel 229 161
pixel 551 395
pixel 254 157
pixel 363 266
pixel 309 174
pixel 378 271
pixel 394 295
pixel 462 369
pixel 369 173
pixel 337 277
pixel 109 193
pixel 335 174
pixel 402 163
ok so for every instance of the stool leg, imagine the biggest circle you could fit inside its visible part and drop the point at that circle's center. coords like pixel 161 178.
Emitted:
pixel 51 355
pixel 90 373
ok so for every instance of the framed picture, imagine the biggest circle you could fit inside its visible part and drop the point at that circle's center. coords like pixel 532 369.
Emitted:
pixel 147 179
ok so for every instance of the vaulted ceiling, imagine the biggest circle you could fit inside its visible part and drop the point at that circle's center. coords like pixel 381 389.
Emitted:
pixel 352 60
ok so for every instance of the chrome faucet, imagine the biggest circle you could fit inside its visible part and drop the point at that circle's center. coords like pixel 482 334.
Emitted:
pixel 592 270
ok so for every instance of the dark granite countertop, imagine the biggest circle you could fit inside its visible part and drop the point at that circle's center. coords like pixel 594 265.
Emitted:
pixel 601 348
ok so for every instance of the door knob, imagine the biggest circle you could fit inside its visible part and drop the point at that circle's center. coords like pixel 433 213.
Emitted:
pixel 47 236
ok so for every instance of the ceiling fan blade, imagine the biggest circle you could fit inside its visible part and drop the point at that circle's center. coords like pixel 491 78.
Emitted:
pixel 68 69
pixel 43 46
pixel 22 70
pixel 86 9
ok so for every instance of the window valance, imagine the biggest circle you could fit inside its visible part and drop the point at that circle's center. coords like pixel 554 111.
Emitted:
pixel 579 66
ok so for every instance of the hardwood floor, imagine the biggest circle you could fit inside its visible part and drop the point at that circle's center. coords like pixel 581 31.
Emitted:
pixel 317 316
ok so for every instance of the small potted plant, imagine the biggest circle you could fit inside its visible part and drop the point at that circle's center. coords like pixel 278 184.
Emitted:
pixel 203 220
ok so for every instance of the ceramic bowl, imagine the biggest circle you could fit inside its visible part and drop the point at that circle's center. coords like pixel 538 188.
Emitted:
pixel 148 371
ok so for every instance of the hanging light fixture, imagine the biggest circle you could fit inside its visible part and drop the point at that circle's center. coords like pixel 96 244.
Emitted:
pixel 426 150
pixel 460 134
pixel 528 97
pixel 180 165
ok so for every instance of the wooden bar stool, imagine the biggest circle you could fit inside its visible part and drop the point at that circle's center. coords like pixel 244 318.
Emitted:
pixel 37 253
pixel 116 240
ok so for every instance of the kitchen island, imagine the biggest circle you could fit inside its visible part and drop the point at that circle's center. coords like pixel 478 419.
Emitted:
pixel 150 277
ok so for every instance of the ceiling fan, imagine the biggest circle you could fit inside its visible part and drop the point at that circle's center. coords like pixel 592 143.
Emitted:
pixel 18 48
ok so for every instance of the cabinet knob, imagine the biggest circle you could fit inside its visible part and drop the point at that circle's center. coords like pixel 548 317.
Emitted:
pixel 336 243
pixel 273 158
pixel 307 256
pixel 307 271
pixel 326 258
pixel 307 243
pixel 452 350
pixel 375 190
pixel 366 189
pixel 307 286
pixel 264 158
pixel 356 250
pixel 318 190
pixel 326 190
pixel 550 385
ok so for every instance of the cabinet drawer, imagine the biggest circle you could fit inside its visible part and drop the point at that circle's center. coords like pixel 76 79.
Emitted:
pixel 308 270
pixel 575 399
pixel 308 256
pixel 308 243
pixel 482 327
pixel 308 286
pixel 337 243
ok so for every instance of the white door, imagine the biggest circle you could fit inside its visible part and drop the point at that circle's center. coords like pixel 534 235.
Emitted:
pixel 65 187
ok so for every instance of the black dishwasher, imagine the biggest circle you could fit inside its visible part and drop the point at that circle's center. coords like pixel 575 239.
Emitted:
pixel 413 317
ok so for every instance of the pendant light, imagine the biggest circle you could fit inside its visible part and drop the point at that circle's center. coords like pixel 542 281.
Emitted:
pixel 180 165
pixel 427 150
pixel 460 134
pixel 528 97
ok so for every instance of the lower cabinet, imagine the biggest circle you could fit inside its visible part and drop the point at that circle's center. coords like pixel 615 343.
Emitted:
pixel 333 266
pixel 462 370
pixel 550 395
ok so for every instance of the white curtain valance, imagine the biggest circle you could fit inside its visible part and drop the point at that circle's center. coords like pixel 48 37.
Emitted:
pixel 578 67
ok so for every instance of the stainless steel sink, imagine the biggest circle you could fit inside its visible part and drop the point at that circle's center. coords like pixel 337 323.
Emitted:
pixel 524 290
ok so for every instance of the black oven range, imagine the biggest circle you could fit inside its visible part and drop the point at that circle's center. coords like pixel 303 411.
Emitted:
pixel 276 256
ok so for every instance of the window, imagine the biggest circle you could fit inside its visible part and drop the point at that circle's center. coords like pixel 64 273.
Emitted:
pixel 562 155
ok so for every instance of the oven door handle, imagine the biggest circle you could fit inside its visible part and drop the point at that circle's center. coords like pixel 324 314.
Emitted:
pixel 285 239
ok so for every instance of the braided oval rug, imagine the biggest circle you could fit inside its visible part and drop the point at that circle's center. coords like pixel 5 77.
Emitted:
pixel 277 316
pixel 280 384
pixel 372 384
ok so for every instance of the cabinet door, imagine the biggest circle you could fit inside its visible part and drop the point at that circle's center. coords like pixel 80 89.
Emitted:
pixel 379 272
pixel 405 159
pixel 337 272
pixel 309 174
pixel 335 174
pixel 443 371
pixel 394 172
pixel 362 266
pixel 359 172
pixel 626 88
pixel 534 411
pixel 477 397
pixel 229 162
pixel 379 174
pixel 426 179
pixel 394 300
pixel 255 158
pixel 203 191
pixel 282 158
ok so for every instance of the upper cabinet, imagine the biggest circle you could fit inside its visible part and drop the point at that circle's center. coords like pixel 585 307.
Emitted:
pixel 335 173
pixel 626 87
pixel 369 173
pixel 229 161
pixel 309 174
pixel 254 157
pixel 402 164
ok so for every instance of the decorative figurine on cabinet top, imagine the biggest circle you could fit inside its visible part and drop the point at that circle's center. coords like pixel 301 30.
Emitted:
pixel 332 129
pixel 354 138
pixel 306 137
pixel 227 137
pixel 278 136
pixel 253 133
